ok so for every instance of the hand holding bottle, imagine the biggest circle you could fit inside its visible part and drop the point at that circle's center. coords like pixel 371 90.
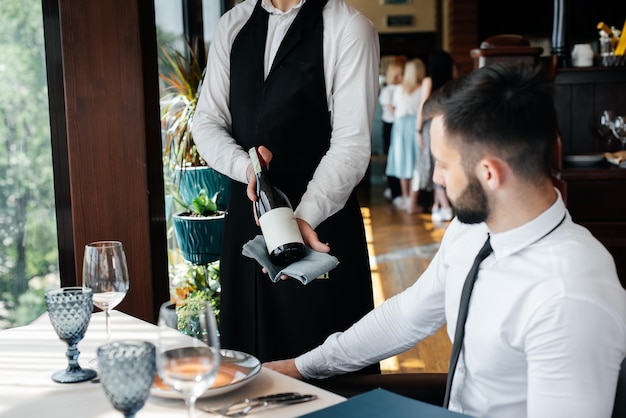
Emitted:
pixel 308 233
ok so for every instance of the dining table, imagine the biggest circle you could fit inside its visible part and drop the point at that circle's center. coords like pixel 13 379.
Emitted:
pixel 30 354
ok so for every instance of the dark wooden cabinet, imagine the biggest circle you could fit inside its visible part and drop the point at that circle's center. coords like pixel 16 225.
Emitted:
pixel 596 196
pixel 596 199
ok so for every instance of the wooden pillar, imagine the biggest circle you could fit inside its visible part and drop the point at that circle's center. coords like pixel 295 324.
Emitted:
pixel 104 102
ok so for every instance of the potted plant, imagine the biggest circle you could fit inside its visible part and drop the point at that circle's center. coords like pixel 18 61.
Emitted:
pixel 186 171
pixel 199 228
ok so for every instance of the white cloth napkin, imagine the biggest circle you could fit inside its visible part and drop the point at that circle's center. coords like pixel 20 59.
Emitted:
pixel 307 269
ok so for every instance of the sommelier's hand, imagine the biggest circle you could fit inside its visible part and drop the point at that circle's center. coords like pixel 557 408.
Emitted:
pixel 310 237
pixel 287 367
pixel 266 154
pixel 308 233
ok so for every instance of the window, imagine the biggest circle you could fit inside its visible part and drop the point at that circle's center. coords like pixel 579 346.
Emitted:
pixel 172 35
pixel 28 237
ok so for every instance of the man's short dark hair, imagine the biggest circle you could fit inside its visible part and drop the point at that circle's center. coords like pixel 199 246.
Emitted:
pixel 503 110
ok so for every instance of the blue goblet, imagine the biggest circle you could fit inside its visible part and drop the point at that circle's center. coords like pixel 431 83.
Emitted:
pixel 70 310
pixel 127 371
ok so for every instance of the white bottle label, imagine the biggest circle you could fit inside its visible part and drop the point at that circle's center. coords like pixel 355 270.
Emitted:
pixel 279 227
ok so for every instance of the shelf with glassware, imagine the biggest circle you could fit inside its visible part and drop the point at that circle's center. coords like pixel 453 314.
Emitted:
pixel 582 95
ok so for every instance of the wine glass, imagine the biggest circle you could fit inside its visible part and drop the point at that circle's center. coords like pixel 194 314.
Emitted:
pixel 619 130
pixel 70 309
pixel 127 370
pixel 605 128
pixel 188 351
pixel 105 271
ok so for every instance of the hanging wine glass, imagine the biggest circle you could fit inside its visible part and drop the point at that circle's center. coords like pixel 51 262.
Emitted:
pixel 605 128
pixel 619 130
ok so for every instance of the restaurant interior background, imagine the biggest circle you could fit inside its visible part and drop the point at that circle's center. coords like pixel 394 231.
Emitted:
pixel 80 130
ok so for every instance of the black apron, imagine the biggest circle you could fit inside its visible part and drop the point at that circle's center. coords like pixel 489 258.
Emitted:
pixel 288 113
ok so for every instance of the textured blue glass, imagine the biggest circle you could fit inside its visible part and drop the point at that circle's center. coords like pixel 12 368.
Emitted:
pixel 70 310
pixel 127 371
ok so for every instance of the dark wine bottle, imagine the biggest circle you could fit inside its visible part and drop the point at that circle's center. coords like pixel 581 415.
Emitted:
pixel 278 222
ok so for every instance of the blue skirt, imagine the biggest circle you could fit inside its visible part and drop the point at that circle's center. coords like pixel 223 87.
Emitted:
pixel 403 150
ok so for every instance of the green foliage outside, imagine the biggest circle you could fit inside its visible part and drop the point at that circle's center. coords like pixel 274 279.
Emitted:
pixel 194 284
pixel 28 238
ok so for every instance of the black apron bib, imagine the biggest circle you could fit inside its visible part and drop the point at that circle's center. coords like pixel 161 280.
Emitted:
pixel 288 113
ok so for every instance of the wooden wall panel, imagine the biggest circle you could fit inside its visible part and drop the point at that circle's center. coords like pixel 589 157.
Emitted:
pixel 112 139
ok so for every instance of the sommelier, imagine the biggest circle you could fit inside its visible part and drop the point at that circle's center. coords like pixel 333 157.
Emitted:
pixel 299 77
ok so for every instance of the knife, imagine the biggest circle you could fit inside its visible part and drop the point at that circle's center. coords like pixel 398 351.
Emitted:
pixel 243 406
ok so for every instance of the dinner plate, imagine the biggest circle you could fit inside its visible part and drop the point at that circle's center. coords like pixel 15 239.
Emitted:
pixel 583 159
pixel 236 370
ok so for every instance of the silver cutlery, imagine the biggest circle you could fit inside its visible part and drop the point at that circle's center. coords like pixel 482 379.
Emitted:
pixel 242 407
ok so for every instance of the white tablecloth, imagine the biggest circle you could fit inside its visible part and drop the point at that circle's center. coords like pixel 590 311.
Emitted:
pixel 29 355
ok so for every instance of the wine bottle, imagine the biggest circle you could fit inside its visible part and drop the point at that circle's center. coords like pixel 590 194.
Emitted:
pixel 278 222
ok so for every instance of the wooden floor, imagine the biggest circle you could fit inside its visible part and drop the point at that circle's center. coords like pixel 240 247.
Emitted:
pixel 401 247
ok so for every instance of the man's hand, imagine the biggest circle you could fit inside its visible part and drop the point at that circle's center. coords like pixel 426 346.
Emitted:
pixel 287 367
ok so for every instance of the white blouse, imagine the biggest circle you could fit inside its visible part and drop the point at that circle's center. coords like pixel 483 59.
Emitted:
pixel 406 103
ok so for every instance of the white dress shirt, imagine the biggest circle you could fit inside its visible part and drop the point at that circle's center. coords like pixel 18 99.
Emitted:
pixel 351 59
pixel 545 333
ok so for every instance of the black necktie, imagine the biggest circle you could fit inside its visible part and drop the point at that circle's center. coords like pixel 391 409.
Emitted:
pixel 460 323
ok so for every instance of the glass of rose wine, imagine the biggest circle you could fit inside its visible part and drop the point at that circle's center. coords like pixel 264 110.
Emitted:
pixel 188 350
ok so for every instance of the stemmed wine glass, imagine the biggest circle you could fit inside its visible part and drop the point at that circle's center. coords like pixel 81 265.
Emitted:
pixel 605 128
pixel 70 309
pixel 615 125
pixel 127 370
pixel 105 271
pixel 188 351
pixel 619 130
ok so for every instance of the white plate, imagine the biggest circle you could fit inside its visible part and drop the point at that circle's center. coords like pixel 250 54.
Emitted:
pixel 236 370
pixel 583 159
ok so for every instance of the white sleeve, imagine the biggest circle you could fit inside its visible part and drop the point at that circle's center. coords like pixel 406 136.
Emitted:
pixel 354 92
pixel 395 326
pixel 212 119
pixel 574 348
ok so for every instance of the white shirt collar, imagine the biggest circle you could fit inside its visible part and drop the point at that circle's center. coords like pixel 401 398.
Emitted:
pixel 269 7
pixel 509 242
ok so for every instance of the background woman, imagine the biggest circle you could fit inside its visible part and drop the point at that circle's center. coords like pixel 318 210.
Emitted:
pixel 404 150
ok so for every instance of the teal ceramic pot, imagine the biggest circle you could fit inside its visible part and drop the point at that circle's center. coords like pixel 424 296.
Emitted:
pixel 199 238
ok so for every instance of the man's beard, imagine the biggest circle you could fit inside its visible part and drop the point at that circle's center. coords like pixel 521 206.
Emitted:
pixel 472 206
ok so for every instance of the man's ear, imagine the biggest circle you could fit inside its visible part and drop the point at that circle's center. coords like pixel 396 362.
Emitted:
pixel 492 172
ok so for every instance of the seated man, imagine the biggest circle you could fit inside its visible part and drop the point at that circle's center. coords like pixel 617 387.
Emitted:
pixel 546 327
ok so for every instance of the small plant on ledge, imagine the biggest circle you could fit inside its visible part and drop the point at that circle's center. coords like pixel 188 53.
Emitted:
pixel 201 205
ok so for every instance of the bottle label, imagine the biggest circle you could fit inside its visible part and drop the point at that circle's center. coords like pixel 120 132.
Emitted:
pixel 279 227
